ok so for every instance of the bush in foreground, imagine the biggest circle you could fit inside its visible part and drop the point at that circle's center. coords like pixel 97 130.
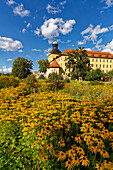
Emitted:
pixel 6 81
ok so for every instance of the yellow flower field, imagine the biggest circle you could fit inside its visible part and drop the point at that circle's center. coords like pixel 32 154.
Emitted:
pixel 48 130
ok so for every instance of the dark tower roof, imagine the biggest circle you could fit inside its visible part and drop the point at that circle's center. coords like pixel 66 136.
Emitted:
pixel 55 48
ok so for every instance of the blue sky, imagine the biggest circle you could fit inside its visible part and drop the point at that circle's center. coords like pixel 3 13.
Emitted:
pixel 28 28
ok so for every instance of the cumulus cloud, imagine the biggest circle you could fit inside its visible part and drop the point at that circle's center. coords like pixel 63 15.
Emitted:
pixel 109 3
pixel 37 31
pixel 9 59
pixel 52 27
pixel 109 47
pixel 10 2
pixel 8 44
pixel 53 10
pixel 19 10
pixel 36 49
pixel 6 70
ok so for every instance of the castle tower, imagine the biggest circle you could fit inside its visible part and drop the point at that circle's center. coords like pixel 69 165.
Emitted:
pixel 54 52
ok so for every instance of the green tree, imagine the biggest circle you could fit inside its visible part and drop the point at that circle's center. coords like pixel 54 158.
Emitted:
pixel 94 75
pixel 21 67
pixel 78 62
pixel 110 74
pixel 43 64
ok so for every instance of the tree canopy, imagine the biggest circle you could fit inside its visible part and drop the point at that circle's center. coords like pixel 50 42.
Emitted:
pixel 78 63
pixel 43 64
pixel 94 75
pixel 22 67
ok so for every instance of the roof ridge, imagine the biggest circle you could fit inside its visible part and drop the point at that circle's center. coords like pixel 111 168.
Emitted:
pixel 54 64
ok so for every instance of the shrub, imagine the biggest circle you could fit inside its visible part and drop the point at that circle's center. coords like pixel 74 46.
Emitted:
pixel 54 76
pixel 6 81
pixel 30 79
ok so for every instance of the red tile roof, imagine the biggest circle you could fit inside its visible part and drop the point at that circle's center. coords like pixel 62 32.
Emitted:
pixel 96 54
pixel 54 64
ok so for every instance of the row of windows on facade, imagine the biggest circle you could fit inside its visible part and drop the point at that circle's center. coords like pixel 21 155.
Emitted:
pixel 101 60
pixel 107 66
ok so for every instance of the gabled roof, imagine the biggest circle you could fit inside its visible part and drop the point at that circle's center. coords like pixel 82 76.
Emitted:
pixel 96 54
pixel 54 65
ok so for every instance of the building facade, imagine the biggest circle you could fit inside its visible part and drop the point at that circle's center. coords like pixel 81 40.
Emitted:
pixel 102 60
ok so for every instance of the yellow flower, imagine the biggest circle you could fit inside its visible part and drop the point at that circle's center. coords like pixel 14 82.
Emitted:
pixel 80 151
pixel 61 143
pixel 69 164
pixel 84 160
pixel 104 154
pixel 61 155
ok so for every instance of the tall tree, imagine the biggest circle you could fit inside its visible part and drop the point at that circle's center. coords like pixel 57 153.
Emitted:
pixel 78 63
pixel 43 64
pixel 22 67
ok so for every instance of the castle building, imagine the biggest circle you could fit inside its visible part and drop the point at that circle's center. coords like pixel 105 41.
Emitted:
pixel 102 60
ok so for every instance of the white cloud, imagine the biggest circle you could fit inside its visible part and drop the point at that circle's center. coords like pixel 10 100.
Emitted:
pixel 7 70
pixel 24 30
pixel 4 69
pixel 36 49
pixel 47 51
pixel 10 2
pixel 8 44
pixel 109 3
pixel 93 32
pixel 52 27
pixel 108 47
pixel 28 25
pixel 20 51
pixel 9 59
pixel 62 3
pixel 37 31
pixel 19 10
pixel 88 49
pixel 53 10
pixel 82 42
pixel 67 27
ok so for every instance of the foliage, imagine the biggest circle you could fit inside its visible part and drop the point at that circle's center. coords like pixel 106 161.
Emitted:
pixel 110 74
pixel 78 63
pixel 6 81
pixel 21 67
pixel 54 76
pixel 94 75
pixel 55 131
pixel 93 90
pixel 43 64
pixel 30 79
